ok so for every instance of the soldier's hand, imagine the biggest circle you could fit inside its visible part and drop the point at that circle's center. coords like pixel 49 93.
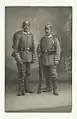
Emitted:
pixel 32 61
pixel 56 62
pixel 19 61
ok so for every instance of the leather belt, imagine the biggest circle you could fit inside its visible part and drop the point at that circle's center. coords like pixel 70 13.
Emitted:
pixel 49 52
pixel 26 49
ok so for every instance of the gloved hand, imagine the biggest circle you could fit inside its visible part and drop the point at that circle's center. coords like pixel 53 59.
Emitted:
pixel 56 60
pixel 19 61
pixel 33 60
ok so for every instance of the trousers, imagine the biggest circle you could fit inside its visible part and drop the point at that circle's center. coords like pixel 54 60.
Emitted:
pixel 51 76
pixel 24 73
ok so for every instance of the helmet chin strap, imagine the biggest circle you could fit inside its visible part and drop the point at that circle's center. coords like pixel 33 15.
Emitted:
pixel 48 34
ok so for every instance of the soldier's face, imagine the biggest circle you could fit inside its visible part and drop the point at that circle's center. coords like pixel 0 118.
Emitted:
pixel 47 31
pixel 26 28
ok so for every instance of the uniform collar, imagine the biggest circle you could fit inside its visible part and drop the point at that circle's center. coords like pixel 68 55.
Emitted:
pixel 26 32
pixel 48 36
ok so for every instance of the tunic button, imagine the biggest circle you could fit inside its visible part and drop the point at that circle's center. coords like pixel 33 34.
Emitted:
pixel 45 50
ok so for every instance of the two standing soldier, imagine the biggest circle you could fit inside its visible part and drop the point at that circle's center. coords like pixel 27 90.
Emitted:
pixel 24 54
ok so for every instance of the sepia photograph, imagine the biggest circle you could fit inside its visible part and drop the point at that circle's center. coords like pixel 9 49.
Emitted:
pixel 38 59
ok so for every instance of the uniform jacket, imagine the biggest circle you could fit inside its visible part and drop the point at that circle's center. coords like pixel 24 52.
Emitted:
pixel 23 46
pixel 50 49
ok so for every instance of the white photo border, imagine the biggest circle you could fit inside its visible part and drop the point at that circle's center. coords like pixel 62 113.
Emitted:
pixel 3 114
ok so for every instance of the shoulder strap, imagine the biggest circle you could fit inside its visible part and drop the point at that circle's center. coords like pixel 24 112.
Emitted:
pixel 55 36
pixel 42 39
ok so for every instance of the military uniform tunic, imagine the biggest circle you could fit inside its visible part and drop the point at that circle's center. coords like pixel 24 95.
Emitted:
pixel 23 51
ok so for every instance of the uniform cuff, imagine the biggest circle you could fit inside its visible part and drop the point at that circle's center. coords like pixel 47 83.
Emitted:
pixel 57 59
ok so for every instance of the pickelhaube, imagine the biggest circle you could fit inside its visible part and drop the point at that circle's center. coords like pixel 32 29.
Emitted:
pixel 48 26
pixel 26 23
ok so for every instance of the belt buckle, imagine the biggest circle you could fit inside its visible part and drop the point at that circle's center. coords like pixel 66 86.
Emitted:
pixel 28 48
pixel 46 51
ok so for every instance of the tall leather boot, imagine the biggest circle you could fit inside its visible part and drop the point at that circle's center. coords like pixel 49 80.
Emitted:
pixel 23 87
pixel 39 88
pixel 19 88
pixel 55 90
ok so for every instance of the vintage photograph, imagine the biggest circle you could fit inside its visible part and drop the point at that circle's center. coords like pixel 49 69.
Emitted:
pixel 38 59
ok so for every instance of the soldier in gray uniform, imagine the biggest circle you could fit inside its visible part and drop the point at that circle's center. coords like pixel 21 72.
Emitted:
pixel 24 54
pixel 50 55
